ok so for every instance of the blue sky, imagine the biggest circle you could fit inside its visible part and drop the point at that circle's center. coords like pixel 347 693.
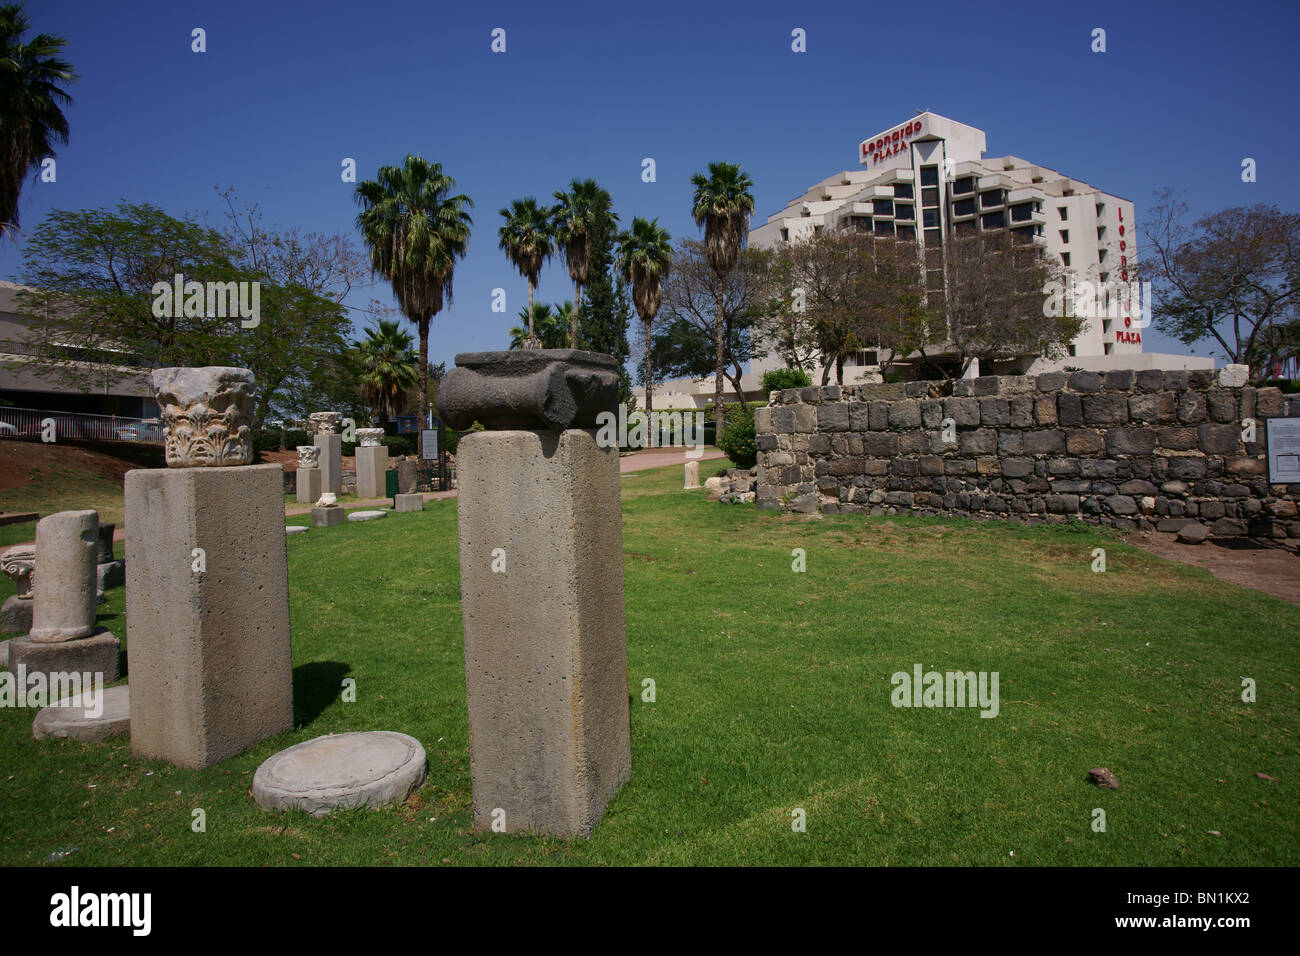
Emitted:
pixel 285 91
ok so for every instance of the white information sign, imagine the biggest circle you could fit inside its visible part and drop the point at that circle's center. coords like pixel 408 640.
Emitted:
pixel 1284 451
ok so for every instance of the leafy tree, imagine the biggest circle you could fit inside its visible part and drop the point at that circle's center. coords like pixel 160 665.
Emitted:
pixel 995 302
pixel 644 255
pixel 686 344
pixel 527 237
pixel 722 205
pixel 31 105
pixel 416 228
pixel 1232 278
pixel 388 367
pixel 603 322
pixel 776 379
pixel 549 326
pixel 578 213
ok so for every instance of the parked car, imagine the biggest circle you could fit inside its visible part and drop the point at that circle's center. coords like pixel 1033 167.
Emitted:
pixel 151 429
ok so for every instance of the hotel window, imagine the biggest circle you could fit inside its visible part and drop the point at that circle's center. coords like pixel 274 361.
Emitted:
pixel 930 218
pixel 1101 255
pixel 929 195
pixel 1064 211
pixel 1105 276
pixel 884 227
pixel 903 211
pixel 1021 213
pixel 964 207
pixel 933 237
pixel 883 207
pixel 964 185
pixel 994 220
pixel 1101 232
pixel 1071 350
pixel 903 190
pixel 785 235
pixel 907 232
pixel 1101 208
pixel 1065 259
pixel 1107 348
pixel 991 198
pixel 929 175
pixel 1065 235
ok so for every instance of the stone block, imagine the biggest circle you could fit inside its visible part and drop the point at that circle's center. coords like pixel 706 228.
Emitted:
pixel 1269 403
pixel 1130 441
pixel 905 414
pixel 1085 381
pixel 310 485
pixel 110 574
pixel 1084 441
pixel 1175 380
pixel 1051 381
pixel 1119 380
pixel 331 461
pixel 372 462
pixel 1233 376
pixel 1069 410
pixel 995 411
pixel 100 653
pixel 1219 439
pixel 545 639
pixel 1045 409
pixel 832 417
pixel 1149 380
pixel 209 650
pixel 1045 441
pixel 1200 378
pixel 964 411
pixel 1105 409
pixel 1191 408
pixel 16 615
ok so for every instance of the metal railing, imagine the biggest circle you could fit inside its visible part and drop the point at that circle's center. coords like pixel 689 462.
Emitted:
pixel 36 423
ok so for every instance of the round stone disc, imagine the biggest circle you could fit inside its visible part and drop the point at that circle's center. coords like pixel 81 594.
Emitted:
pixel 295 529
pixel 69 717
pixel 339 771
pixel 366 515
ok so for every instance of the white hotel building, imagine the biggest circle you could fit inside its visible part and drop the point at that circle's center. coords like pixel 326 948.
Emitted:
pixel 926 180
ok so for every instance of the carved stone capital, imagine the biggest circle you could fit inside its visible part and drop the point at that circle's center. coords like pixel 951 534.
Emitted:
pixel 206 414
pixel 323 423
pixel 308 456
pixel 370 436
pixel 529 389
pixel 19 563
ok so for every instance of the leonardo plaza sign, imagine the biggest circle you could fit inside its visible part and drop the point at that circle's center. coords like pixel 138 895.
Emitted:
pixel 890 143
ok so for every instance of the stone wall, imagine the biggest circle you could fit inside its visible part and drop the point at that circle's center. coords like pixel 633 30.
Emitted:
pixel 1128 449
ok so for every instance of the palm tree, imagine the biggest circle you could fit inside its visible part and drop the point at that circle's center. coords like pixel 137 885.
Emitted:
pixel 551 326
pixel 528 240
pixel 31 105
pixel 722 205
pixel 644 254
pixel 577 214
pixel 387 367
pixel 416 230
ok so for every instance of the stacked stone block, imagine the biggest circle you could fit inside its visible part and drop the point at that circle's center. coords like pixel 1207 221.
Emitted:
pixel 1129 449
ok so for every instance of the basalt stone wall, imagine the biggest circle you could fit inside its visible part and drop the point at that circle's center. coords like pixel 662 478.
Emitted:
pixel 1128 449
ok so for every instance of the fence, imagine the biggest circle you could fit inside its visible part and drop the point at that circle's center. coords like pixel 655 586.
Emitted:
pixel 32 422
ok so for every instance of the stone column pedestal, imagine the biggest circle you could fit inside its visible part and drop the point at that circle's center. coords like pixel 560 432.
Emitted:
pixel 331 461
pixel 309 486
pixel 372 462
pixel 207 631
pixel 692 475
pixel 541 558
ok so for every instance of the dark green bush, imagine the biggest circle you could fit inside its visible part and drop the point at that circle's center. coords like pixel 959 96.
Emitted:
pixel 268 439
pixel 779 378
pixel 1289 386
pixel 737 440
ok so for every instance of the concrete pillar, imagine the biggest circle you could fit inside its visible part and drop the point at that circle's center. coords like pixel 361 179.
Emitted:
pixel 372 462
pixel 207 590
pixel 406 477
pixel 309 486
pixel 692 475
pixel 541 557
pixel 331 461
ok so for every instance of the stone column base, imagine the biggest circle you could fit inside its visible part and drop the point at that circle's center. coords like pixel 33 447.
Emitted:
pixel 545 638
pixel 408 502
pixel 327 516
pixel 16 615
pixel 98 654
pixel 207 634
pixel 372 462
pixel 309 486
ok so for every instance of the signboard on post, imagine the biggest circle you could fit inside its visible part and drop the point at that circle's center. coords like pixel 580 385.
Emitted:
pixel 1283 451
pixel 428 443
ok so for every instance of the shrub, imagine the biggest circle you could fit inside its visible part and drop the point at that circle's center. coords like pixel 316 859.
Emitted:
pixel 737 440
pixel 401 445
pixel 1289 386
pixel 268 439
pixel 779 378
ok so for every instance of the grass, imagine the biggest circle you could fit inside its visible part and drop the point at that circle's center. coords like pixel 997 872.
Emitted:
pixel 772 693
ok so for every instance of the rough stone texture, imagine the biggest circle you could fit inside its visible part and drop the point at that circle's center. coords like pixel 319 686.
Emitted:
pixel 1193 533
pixel 63 602
pixel 1124 449
pixel 340 772
pixel 1233 376
pixel 366 515
pixel 530 388
pixel 372 462
pixel 369 437
pixel 209 651
pixel 71 718
pixel 16 616
pixel 407 477
pixel 309 485
pixel 308 456
pixel 331 461
pixel 323 423
pixel 206 415
pixel 692 475
pixel 111 574
pixel 327 516
pixel 99 653
pixel 545 640
pixel 1104 778
pixel 405 503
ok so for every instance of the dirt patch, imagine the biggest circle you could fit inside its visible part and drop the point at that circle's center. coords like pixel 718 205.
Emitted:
pixel 22 462
pixel 1269 566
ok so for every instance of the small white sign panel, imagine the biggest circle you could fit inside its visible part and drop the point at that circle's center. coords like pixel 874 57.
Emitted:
pixel 429 443
pixel 1284 451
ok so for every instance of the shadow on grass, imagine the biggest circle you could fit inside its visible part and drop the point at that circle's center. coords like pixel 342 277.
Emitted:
pixel 315 687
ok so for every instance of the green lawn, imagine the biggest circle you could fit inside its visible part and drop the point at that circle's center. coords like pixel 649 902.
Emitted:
pixel 773 693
